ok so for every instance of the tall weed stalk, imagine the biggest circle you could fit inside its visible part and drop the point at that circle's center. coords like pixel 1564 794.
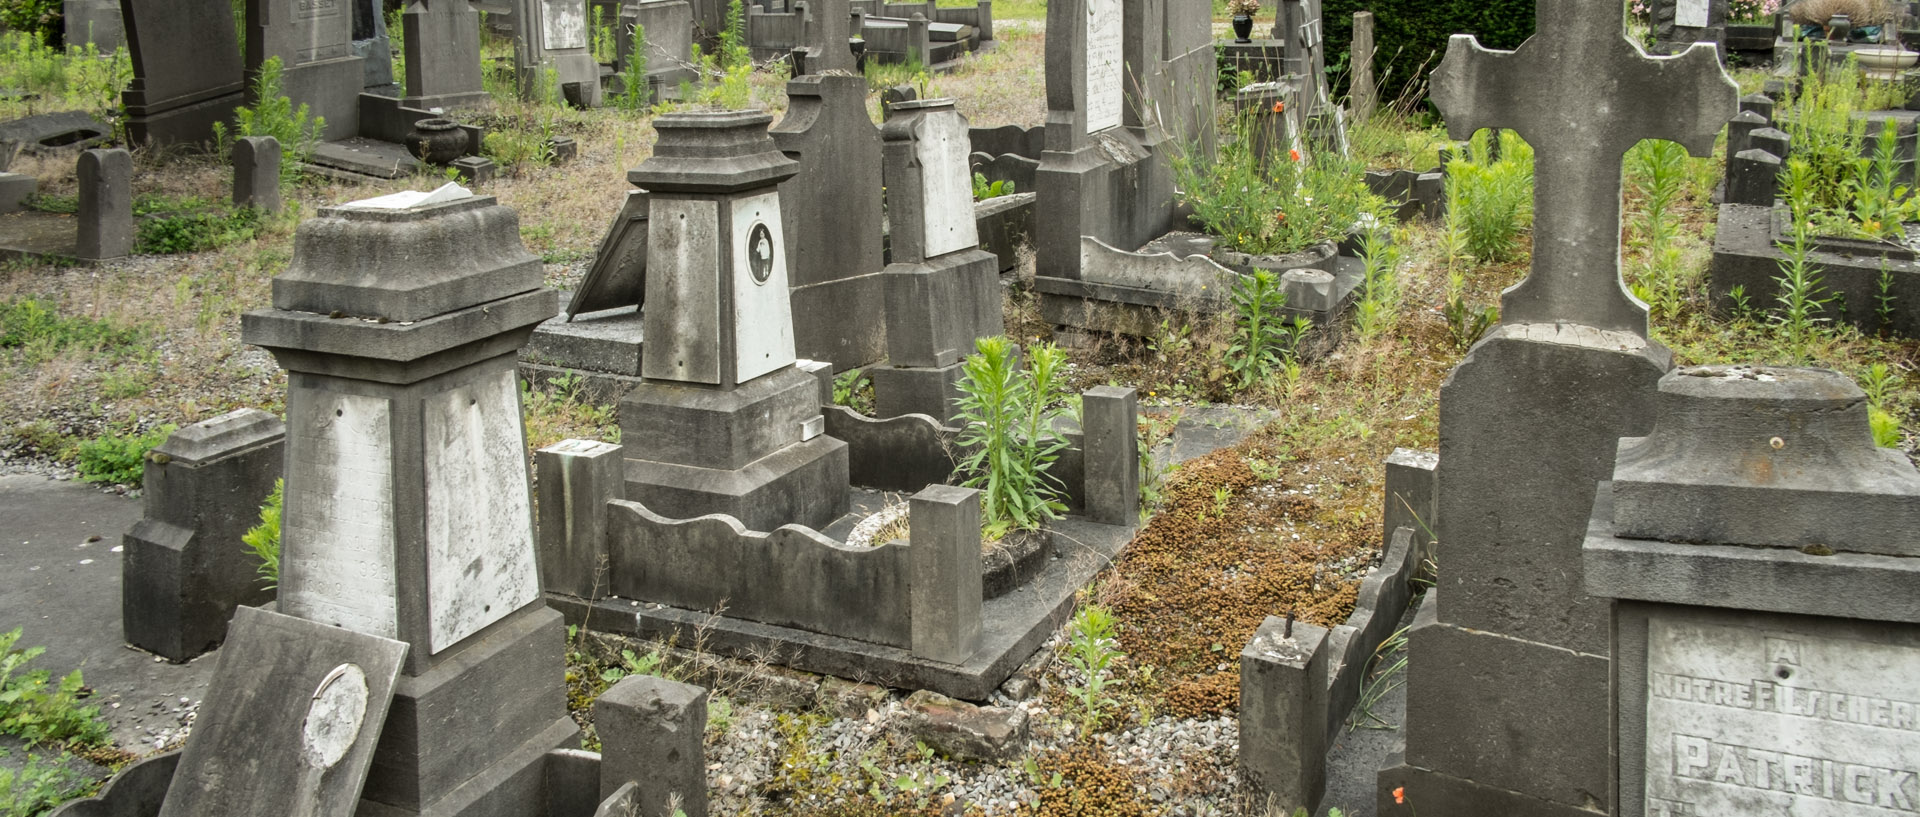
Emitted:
pixel 1007 417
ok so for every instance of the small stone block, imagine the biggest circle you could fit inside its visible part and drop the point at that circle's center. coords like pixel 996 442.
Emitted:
pixel 1740 127
pixel 1758 104
pixel 106 204
pixel 1309 289
pixel 1410 500
pixel 1110 417
pixel 15 189
pixel 1753 178
pixel 256 173
pixel 577 479
pixel 1771 140
pixel 652 733
pixel 945 582
pixel 962 731
pixel 1283 719
pixel 475 169
pixel 564 149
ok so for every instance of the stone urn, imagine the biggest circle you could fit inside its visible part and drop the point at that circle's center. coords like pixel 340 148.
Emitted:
pixel 437 141
pixel 1242 28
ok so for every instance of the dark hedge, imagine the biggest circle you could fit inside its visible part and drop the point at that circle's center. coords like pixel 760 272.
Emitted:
pixel 1410 36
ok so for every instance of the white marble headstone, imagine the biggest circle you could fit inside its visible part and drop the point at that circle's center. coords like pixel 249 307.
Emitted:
pixel 762 314
pixel 337 530
pixel 1690 13
pixel 563 24
pixel 946 184
pixel 479 517
pixel 1106 71
pixel 1748 720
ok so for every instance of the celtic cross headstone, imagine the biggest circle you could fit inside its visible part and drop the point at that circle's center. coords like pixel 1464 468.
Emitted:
pixel 1581 94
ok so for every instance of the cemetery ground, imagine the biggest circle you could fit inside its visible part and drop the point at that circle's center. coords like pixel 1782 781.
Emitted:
pixel 98 360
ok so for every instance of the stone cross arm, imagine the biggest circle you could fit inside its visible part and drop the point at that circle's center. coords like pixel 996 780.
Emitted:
pixel 1581 94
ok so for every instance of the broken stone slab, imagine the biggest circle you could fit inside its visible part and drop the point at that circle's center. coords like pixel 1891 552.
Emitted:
pixel 1759 455
pixel 963 731
pixel 44 133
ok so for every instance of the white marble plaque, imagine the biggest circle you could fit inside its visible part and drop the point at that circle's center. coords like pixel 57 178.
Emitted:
pixel 563 24
pixel 479 512
pixel 1106 72
pixel 337 527
pixel 1746 721
pixel 1690 13
pixel 946 184
pixel 762 314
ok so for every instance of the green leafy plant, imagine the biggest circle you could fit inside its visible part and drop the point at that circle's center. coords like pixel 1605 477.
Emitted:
pixel 114 459
pixel 273 114
pixel 263 540
pixel 1007 416
pixel 41 18
pixel 983 189
pixel 39 710
pixel 1800 295
pixel 1660 169
pixel 1380 296
pixel 852 389
pixel 636 90
pixel 194 232
pixel 1091 651
pixel 1389 673
pixel 632 664
pixel 1262 340
pixel 37 787
pixel 1276 202
pixel 1466 323
pixel 37 328
pixel 1489 196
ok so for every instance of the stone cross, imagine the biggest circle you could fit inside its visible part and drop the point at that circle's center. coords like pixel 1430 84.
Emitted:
pixel 1581 94
pixel 832 30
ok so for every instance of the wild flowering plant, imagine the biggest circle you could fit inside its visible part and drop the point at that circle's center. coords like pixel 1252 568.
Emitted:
pixel 1266 201
pixel 1246 7
pixel 1007 419
pixel 1748 11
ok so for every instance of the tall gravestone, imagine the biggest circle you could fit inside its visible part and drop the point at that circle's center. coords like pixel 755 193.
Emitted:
pixel 1507 704
pixel 1765 638
pixel 314 41
pixel 833 204
pixel 187 73
pixel 407 512
pixel 1678 24
pixel 442 39
pixel 662 32
pixel 943 291
pixel 724 422
pixel 554 47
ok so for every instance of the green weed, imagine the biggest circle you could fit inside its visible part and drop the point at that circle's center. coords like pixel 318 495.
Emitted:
pixel 34 327
pixel 275 115
pixel 854 390
pixel 1272 203
pixel 39 710
pixel 983 189
pixel 263 540
pixel 1490 199
pixel 1007 417
pixel 113 459
pixel 36 788
pixel 1091 650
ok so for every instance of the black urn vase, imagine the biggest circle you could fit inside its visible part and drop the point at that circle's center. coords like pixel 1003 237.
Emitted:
pixel 437 141
pixel 1242 28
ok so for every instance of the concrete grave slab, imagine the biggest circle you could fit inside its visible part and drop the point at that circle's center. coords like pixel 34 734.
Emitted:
pixel 290 721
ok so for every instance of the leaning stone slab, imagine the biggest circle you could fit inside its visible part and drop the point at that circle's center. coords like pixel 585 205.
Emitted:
pixel 289 723
pixel 1766 456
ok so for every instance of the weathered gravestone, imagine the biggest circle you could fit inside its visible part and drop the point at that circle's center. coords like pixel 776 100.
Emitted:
pixel 313 40
pixel 442 39
pixel 106 204
pixel 661 32
pixel 184 570
pixel 1507 704
pixel 290 722
pixel 407 512
pixel 96 22
pixel 833 204
pixel 1766 641
pixel 553 52
pixel 943 291
pixel 732 425
pixel 372 45
pixel 187 73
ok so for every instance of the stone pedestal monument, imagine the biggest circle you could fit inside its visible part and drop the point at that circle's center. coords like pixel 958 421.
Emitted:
pixel 943 291
pixel 407 510
pixel 724 422
pixel 1507 692
pixel 1765 637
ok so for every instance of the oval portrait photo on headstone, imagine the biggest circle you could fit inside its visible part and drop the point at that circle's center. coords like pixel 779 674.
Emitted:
pixel 760 252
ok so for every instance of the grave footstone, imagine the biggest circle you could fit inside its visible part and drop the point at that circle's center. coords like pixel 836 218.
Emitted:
pixel 183 570
pixel 1771 140
pixel 313 40
pixel 407 511
pixel 1755 673
pixel 833 208
pixel 942 290
pixel 256 173
pixel 15 189
pixel 1507 704
pixel 655 742
pixel 1740 127
pixel 106 204
pixel 187 71
pixel 735 426
pixel 1752 178
pixel 1758 104
pixel 289 723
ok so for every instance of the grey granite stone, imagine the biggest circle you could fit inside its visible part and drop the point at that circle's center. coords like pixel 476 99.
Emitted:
pixel 1780 457
pixel 1752 178
pixel 962 731
pixel 106 204
pixel 187 72
pixel 1409 502
pixel 803 483
pixel 1771 140
pixel 577 479
pixel 1759 104
pixel 94 21
pixel 313 39
pixel 1577 159
pixel 442 42
pixel 652 733
pixel 716 428
pixel 944 573
pixel 1112 464
pixel 553 51
pixel 607 341
pixel 256 173
pixel 1742 125
pixel 15 189
pixel 618 276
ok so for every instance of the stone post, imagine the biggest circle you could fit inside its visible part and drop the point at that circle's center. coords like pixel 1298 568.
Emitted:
pixel 1283 717
pixel 1752 178
pixel 1771 140
pixel 577 480
pixel 1410 502
pixel 985 27
pixel 652 737
pixel 1757 104
pixel 1361 57
pixel 945 583
pixel 15 189
pixel 1740 127
pixel 184 566
pixel 408 513
pixel 256 173
pixel 1111 426
pixel 106 204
